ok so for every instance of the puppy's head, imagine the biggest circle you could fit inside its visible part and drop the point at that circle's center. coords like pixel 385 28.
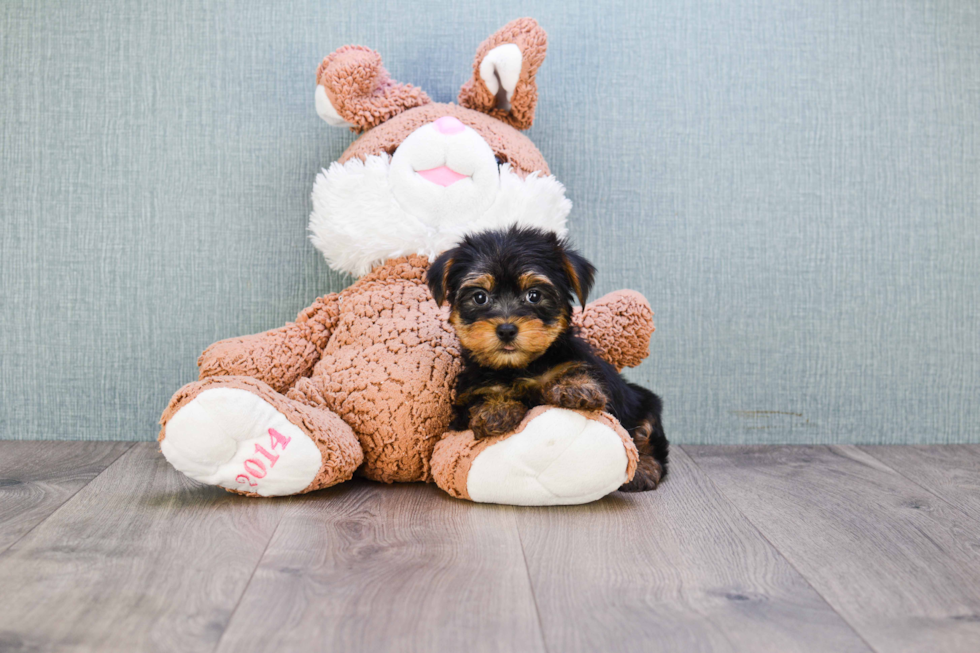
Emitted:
pixel 511 292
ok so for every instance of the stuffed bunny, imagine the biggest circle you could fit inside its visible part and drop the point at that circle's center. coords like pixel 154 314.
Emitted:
pixel 363 380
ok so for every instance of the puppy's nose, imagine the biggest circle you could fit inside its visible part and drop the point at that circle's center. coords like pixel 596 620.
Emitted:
pixel 448 125
pixel 506 331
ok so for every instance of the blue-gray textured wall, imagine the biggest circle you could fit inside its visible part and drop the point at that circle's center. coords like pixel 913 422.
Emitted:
pixel 794 185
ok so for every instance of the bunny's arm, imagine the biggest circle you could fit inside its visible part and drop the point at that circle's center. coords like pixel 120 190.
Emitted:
pixel 278 357
pixel 618 326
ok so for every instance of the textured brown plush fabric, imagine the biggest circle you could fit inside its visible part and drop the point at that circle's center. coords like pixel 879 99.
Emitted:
pixel 457 450
pixel 533 42
pixel 505 141
pixel 618 326
pixel 340 451
pixel 361 91
pixel 389 370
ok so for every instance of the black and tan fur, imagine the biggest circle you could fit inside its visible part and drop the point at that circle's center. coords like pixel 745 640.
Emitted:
pixel 511 295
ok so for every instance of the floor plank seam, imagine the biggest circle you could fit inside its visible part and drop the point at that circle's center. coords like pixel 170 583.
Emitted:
pixel 530 584
pixel 68 500
pixel 775 548
pixel 251 577
pixel 920 486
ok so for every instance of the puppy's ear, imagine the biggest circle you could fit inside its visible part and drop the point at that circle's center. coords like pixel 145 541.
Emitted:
pixel 581 274
pixel 437 277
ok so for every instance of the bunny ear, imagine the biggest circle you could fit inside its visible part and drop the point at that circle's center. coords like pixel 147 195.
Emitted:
pixel 354 90
pixel 503 83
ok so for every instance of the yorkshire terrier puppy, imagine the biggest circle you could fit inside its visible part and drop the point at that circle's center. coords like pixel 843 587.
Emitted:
pixel 511 295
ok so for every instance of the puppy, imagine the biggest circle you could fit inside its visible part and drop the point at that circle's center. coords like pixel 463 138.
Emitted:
pixel 511 295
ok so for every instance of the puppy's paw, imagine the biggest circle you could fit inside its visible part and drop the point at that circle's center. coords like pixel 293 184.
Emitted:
pixel 578 392
pixel 496 417
pixel 647 476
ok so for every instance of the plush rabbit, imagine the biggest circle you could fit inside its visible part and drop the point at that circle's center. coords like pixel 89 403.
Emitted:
pixel 363 380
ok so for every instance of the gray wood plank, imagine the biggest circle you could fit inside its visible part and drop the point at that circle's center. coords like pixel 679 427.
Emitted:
pixel 36 478
pixel 901 566
pixel 950 471
pixel 370 567
pixel 141 559
pixel 678 569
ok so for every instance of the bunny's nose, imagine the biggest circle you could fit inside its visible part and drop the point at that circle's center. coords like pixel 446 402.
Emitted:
pixel 448 125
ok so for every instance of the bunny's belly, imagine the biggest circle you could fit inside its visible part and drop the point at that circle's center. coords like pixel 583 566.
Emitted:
pixel 392 383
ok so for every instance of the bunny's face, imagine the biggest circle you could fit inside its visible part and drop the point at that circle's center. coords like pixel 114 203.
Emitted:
pixel 422 175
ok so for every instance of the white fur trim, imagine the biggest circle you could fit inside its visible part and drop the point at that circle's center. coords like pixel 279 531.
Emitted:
pixel 560 458
pixel 214 438
pixel 357 223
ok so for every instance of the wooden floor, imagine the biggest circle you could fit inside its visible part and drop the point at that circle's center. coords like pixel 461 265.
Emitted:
pixel 104 547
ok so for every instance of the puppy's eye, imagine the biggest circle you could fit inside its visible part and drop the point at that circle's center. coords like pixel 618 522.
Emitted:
pixel 480 297
pixel 533 296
